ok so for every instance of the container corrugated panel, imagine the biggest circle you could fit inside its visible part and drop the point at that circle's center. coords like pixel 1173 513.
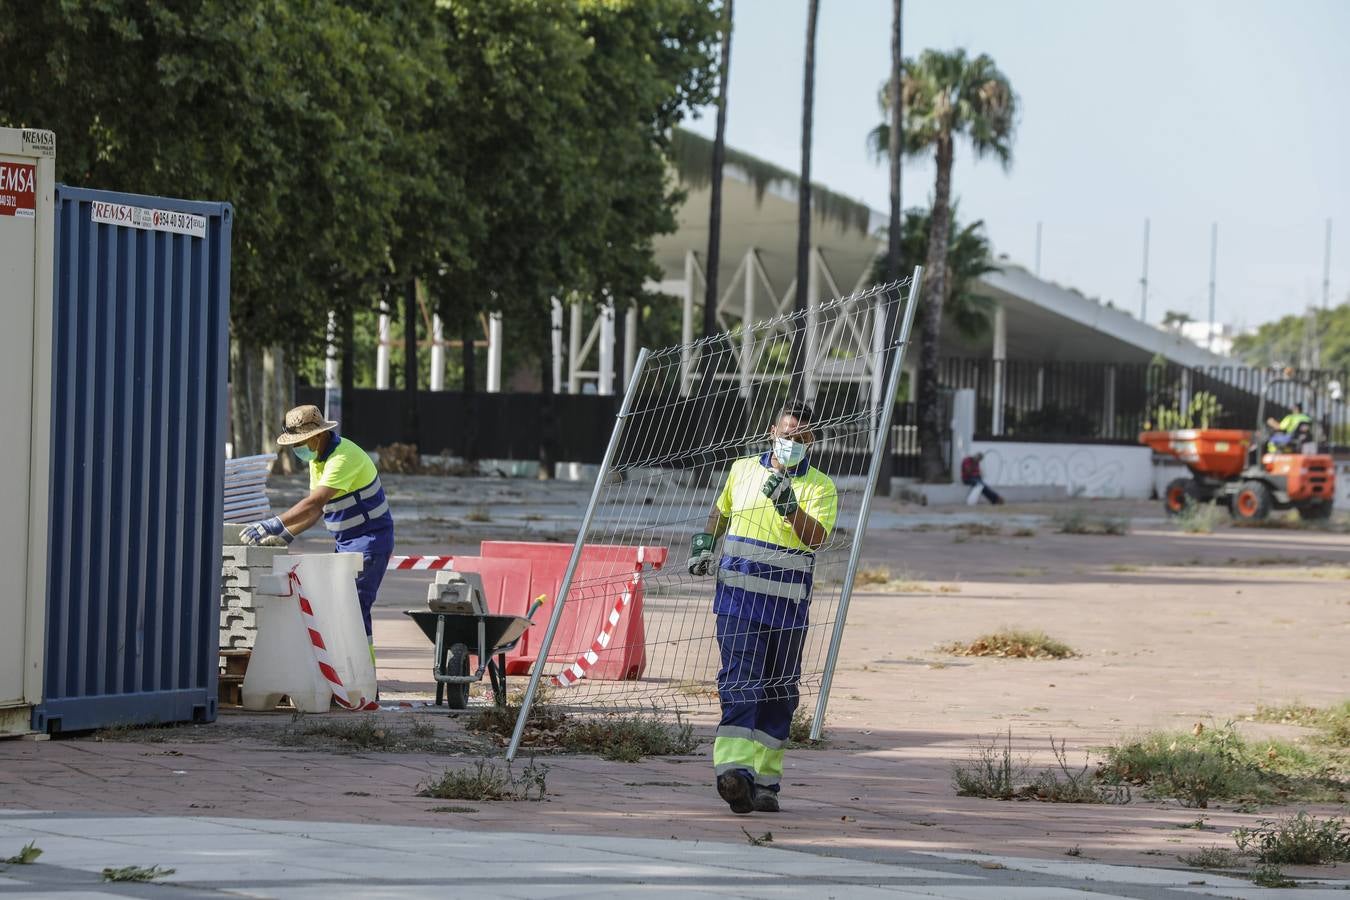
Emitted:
pixel 140 347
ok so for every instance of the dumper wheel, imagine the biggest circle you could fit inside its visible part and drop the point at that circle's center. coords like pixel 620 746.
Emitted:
pixel 1314 512
pixel 1252 502
pixel 1180 492
pixel 457 695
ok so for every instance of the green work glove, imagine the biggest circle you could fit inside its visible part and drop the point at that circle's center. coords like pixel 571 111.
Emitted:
pixel 778 488
pixel 701 554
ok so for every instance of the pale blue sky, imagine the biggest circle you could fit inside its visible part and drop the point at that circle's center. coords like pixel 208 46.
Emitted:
pixel 1189 111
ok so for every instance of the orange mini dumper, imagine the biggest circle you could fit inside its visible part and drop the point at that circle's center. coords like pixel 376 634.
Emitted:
pixel 1228 468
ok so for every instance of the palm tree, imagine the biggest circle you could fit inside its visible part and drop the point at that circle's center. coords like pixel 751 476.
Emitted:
pixel 894 112
pixel 718 158
pixel 969 255
pixel 947 95
pixel 804 192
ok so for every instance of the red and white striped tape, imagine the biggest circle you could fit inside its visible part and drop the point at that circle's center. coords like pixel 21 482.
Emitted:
pixel 420 562
pixel 579 669
pixel 323 660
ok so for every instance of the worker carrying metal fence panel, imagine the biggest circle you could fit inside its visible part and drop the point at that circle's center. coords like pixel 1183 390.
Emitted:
pixel 776 510
pixel 344 491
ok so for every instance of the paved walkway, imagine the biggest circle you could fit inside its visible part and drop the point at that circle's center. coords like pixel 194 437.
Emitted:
pixel 254 858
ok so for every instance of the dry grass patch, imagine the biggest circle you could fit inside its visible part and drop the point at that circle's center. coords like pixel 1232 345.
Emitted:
pixel 486 782
pixel 364 734
pixel 1331 723
pixel 1080 521
pixel 620 737
pixel 1013 644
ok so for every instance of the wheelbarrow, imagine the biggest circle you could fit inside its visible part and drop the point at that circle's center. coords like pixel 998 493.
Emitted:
pixel 457 636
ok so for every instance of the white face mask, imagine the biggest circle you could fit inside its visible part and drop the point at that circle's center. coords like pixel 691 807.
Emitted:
pixel 788 452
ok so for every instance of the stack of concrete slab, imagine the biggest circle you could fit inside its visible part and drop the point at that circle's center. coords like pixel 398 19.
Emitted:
pixel 246 488
pixel 241 567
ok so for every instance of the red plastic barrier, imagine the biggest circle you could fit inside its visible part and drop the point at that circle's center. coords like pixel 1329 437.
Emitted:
pixel 515 572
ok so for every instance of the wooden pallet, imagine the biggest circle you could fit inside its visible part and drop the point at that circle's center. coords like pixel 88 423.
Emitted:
pixel 233 666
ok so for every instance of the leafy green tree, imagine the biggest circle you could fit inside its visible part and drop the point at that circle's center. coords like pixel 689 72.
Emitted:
pixel 1281 343
pixel 947 96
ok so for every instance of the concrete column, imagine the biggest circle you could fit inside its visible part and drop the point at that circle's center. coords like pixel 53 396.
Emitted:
pixel 747 333
pixel 1040 387
pixel 555 341
pixel 1109 405
pixel 382 351
pixel 574 351
pixel 332 373
pixel 1000 359
pixel 687 324
pixel 606 385
pixel 437 353
pixel 963 428
pixel 494 361
pixel 630 324
pixel 1185 405
pixel 812 325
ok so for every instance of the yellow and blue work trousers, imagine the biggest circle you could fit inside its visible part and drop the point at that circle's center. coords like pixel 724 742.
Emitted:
pixel 758 687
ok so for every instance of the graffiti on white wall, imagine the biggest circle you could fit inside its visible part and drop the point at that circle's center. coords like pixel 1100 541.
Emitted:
pixel 1086 470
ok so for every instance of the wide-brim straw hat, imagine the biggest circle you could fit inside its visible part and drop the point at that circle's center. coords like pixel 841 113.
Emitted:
pixel 303 423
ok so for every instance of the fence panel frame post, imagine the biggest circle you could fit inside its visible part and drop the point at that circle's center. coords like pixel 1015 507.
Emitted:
pixel 873 468
pixel 565 587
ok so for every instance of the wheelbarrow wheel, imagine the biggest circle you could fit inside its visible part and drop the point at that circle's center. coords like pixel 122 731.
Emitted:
pixel 457 695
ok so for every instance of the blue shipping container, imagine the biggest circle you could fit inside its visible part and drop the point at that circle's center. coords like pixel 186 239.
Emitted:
pixel 140 348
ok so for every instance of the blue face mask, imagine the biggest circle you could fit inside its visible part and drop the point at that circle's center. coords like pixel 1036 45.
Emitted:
pixel 303 453
pixel 788 452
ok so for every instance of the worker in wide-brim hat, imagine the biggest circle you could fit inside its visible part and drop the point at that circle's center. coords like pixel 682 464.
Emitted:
pixel 344 491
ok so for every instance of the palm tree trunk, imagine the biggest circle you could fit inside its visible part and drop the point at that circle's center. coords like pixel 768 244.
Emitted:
pixel 893 148
pixel 719 157
pixel 932 467
pixel 804 197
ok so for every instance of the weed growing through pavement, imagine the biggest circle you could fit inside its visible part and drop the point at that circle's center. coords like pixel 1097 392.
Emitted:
pixel 765 838
pixel 1023 532
pixel 136 873
pixel 1271 877
pixel 478 514
pixel 1219 764
pixel 1211 857
pixel 27 856
pixel 1198 518
pixel 992 773
pixel 363 734
pixel 1063 783
pixel 620 737
pixel 628 738
pixel 1010 643
pixel 1075 850
pixel 872 575
pixel 799 731
pixel 486 782
pixel 1297 840
pixel 1079 521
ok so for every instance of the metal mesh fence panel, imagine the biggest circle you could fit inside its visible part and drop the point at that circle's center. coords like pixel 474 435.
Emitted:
pixel 691 412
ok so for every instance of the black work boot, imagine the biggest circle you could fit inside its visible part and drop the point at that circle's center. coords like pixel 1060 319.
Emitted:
pixel 738 791
pixel 765 800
